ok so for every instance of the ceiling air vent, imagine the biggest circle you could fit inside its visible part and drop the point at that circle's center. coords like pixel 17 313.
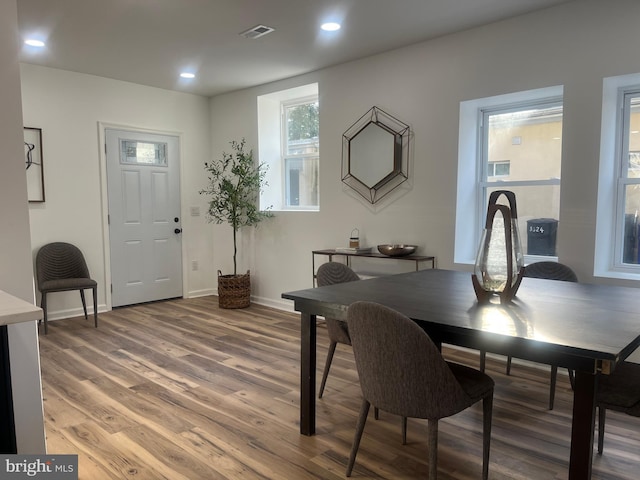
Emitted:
pixel 257 31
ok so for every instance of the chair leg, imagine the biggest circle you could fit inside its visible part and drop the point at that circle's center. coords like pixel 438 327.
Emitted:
pixel 487 413
pixel 432 432
pixel 552 386
pixel 404 430
pixel 84 304
pixel 362 419
pixel 95 306
pixel 43 306
pixel 602 412
pixel 327 366
pixel 376 413
pixel 572 379
pixel 483 360
pixel 509 365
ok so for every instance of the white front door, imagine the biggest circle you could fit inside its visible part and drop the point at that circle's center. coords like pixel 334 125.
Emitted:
pixel 143 183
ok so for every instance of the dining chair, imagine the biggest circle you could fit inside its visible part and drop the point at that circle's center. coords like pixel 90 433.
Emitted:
pixel 331 273
pixel 549 271
pixel 402 372
pixel 61 267
pixel 620 392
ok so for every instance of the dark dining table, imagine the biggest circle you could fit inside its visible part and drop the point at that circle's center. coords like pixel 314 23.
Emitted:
pixel 584 327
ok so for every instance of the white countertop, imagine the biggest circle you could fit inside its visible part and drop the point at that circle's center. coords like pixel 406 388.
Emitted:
pixel 16 310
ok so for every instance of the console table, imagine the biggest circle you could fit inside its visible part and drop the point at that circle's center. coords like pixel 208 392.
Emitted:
pixel 331 252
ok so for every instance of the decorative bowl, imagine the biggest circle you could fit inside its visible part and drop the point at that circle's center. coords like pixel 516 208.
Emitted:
pixel 397 249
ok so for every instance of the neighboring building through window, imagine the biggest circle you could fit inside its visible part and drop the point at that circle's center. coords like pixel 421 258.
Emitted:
pixel 301 149
pixel 289 142
pixel 617 224
pixel 511 142
pixel 499 169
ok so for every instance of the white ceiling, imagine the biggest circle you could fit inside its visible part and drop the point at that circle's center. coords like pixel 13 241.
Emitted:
pixel 151 41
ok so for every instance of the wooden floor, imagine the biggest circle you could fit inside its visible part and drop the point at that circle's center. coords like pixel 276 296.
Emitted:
pixel 182 390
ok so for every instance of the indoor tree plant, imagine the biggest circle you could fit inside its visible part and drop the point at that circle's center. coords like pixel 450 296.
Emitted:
pixel 235 182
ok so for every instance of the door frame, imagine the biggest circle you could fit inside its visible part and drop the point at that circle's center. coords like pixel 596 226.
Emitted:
pixel 104 195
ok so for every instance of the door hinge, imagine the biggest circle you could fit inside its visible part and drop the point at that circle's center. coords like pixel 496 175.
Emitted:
pixel 108 219
pixel 112 288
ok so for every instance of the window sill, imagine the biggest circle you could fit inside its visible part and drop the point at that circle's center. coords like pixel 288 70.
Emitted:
pixel 527 260
pixel 618 274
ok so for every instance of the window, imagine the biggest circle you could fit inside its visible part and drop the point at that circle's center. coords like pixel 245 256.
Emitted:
pixel 143 153
pixel 499 169
pixel 289 142
pixel 511 142
pixel 301 147
pixel 617 236
pixel 629 181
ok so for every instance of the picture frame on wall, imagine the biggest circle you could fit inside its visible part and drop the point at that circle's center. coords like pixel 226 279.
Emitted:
pixel 33 164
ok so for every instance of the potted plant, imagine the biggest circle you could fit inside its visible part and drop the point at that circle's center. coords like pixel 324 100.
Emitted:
pixel 235 182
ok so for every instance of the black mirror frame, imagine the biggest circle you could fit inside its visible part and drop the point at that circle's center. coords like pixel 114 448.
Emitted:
pixel 400 134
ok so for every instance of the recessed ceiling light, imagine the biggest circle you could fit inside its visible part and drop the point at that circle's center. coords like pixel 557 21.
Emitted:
pixel 188 75
pixel 330 26
pixel 34 43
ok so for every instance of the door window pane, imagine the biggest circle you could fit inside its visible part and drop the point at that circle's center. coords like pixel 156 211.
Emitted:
pixel 134 152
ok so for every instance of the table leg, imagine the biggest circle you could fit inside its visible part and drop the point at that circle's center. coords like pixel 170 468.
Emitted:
pixel 307 374
pixel 584 413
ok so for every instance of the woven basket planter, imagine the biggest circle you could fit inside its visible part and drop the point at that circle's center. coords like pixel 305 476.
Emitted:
pixel 234 291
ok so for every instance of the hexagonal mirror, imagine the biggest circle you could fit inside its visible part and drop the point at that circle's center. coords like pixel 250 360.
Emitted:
pixel 375 152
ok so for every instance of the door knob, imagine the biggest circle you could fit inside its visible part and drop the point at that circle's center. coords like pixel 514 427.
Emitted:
pixel 177 230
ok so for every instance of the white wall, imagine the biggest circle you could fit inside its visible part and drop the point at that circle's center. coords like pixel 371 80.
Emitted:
pixel 574 45
pixel 15 253
pixel 68 107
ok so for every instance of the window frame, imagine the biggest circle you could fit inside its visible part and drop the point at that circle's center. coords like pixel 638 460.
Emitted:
pixel 495 164
pixel 270 145
pixel 472 182
pixel 623 152
pixel 285 156
pixel 609 229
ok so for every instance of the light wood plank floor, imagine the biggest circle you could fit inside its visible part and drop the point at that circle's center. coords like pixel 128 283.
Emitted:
pixel 183 390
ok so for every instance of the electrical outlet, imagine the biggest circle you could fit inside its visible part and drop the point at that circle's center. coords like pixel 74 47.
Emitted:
pixel 194 265
pixel 195 211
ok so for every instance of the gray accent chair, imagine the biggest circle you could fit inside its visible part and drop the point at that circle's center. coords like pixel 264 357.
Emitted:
pixel 331 273
pixel 61 267
pixel 549 271
pixel 402 372
pixel 619 392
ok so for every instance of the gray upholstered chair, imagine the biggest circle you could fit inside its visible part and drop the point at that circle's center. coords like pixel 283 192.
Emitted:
pixel 402 371
pixel 61 267
pixel 620 392
pixel 549 271
pixel 331 273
